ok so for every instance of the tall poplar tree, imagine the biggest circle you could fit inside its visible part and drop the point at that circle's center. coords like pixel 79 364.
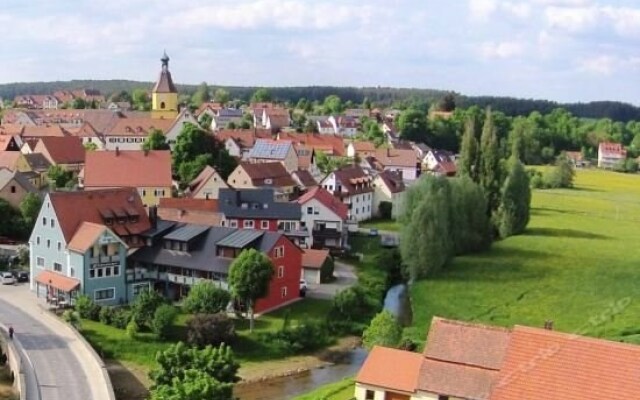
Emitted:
pixel 468 164
pixel 489 176
pixel 513 214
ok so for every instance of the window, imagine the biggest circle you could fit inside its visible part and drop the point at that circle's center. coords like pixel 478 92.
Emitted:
pixel 37 239
pixel 247 224
pixel 53 223
pixel 72 272
pixel 281 271
pixel 309 210
pixel 13 189
pixel 59 246
pixel 233 223
pixel 283 292
pixel 443 397
pixel 369 395
pixel 40 262
pixel 278 252
pixel 44 221
pixel 162 105
pixel 57 267
pixel 48 243
pixel 104 294
pixel 264 224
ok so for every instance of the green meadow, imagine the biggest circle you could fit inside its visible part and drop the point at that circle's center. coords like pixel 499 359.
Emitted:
pixel 578 264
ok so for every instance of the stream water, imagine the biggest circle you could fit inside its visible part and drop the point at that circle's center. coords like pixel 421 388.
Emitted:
pixel 282 388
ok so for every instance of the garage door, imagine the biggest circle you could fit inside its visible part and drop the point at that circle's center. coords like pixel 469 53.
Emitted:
pixel 396 396
pixel 311 275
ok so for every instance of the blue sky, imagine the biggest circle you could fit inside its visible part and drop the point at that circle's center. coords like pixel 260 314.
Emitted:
pixel 566 50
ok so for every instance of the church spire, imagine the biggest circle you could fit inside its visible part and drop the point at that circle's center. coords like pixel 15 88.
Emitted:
pixel 165 60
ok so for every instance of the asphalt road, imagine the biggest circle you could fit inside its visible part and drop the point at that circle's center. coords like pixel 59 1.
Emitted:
pixel 59 374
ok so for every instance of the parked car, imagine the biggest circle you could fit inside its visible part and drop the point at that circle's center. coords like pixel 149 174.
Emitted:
pixel 6 278
pixel 373 232
pixel 21 276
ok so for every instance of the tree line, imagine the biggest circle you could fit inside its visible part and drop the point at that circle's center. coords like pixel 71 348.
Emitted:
pixel 380 96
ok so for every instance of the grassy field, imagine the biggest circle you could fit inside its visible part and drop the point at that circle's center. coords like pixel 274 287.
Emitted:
pixel 341 390
pixel 381 224
pixel 577 264
pixel 113 343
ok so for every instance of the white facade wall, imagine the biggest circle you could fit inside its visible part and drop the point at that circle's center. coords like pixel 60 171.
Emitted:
pixel 324 214
pixel 233 148
pixel 123 142
pixel 361 206
pixel 408 173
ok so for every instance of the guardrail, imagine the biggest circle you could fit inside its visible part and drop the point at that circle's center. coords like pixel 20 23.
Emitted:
pixel 25 379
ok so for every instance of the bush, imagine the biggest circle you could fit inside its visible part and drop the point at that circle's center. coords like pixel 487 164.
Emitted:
pixel 106 315
pixel 384 330
pixel 132 329
pixel 354 307
pixel 306 337
pixel 83 306
pixel 163 320
pixel 385 209
pixel 326 271
pixel 210 329
pixel 72 318
pixel 121 318
pixel 145 305
pixel 206 298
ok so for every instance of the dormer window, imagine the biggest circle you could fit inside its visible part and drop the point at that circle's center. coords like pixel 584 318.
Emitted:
pixel 268 181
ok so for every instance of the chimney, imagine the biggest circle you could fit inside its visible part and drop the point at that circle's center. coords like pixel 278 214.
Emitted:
pixel 153 216
pixel 548 325
pixel 146 152
pixel 117 151
pixel 206 196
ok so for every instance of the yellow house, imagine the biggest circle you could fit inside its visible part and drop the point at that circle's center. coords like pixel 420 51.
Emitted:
pixel 207 184
pixel 164 97
pixel 147 171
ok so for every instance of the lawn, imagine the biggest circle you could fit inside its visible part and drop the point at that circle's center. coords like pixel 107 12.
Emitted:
pixel 381 224
pixel 341 390
pixel 113 343
pixel 577 264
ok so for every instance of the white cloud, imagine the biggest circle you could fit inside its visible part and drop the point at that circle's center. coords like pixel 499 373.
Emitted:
pixel 600 65
pixel 492 50
pixel 481 10
pixel 572 19
pixel 289 14
pixel 626 21
pixel 519 9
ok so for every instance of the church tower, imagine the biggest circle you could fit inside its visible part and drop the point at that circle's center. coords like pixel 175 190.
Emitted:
pixel 164 98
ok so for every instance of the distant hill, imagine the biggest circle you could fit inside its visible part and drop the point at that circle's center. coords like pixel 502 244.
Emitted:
pixel 380 95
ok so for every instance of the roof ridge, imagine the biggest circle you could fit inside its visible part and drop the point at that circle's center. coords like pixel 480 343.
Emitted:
pixel 461 364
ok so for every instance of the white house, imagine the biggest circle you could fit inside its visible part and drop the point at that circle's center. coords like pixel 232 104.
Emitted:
pixel 610 154
pixel 388 187
pixel 439 162
pixel 324 215
pixel 401 160
pixel 353 186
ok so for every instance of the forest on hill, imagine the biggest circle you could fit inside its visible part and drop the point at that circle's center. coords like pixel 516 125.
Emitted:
pixel 379 96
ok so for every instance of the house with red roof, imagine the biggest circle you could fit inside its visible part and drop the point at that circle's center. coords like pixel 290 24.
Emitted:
pixel 263 175
pixel 479 362
pixel 316 265
pixel 388 187
pixel 149 172
pixel 439 162
pixel 353 187
pixel 610 154
pixel 190 210
pixel 66 152
pixel 325 216
pixel 80 242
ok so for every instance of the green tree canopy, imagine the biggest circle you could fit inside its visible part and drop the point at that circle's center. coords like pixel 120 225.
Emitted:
pixel 412 124
pixel 194 385
pixel 30 208
pixel 59 177
pixel 202 95
pixel 206 298
pixel 468 164
pixel 327 164
pixel 261 95
pixel 141 100
pixel 490 174
pixel 249 277
pixel 221 96
pixel 155 141
pixel 332 105
pixel 384 330
pixel 90 146
pixel 513 213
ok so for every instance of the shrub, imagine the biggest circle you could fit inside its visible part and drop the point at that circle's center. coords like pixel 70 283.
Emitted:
pixel 326 271
pixel 384 330
pixel 72 318
pixel 163 320
pixel 385 209
pixel 121 318
pixel 354 307
pixel 210 329
pixel 132 329
pixel 145 305
pixel 206 298
pixel 106 315
pixel 83 306
pixel 306 337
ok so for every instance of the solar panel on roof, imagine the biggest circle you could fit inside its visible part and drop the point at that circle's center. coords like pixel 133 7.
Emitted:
pixel 186 233
pixel 269 149
pixel 240 238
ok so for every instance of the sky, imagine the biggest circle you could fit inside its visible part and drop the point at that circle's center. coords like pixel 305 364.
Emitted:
pixel 563 50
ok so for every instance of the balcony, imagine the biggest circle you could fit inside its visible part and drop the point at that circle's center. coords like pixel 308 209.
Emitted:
pixel 105 259
pixel 327 232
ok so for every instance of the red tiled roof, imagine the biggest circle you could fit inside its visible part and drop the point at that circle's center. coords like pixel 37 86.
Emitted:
pixel 329 201
pixel 314 258
pixel 392 180
pixel 269 170
pixel 544 364
pixel 86 236
pixel 391 369
pixel 363 146
pixel 305 178
pixel 39 131
pixel 351 176
pixel 612 148
pixel 245 138
pixel 456 380
pixel 330 144
pixel 58 281
pixel 396 158
pixel 74 208
pixel 9 159
pixel 186 203
pixel 63 150
pixel 464 343
pixel 139 126
pixel 131 168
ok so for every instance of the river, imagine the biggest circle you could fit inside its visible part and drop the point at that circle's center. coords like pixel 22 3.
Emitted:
pixel 282 388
